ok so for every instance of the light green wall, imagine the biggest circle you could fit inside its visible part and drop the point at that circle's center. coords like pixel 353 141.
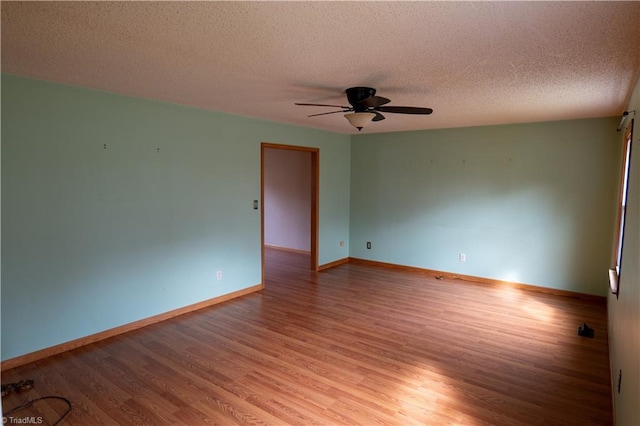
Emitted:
pixel 624 311
pixel 95 238
pixel 529 203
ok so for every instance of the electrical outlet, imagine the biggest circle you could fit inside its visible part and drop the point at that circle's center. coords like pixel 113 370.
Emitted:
pixel 462 257
pixel 219 275
pixel 368 244
pixel 341 243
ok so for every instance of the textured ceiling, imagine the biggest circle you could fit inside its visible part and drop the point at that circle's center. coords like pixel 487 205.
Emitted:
pixel 474 63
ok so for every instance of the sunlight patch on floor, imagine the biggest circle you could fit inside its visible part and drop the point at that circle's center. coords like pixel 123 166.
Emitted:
pixel 539 310
pixel 431 402
pixel 533 308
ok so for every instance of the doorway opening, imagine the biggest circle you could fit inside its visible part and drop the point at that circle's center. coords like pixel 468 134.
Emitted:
pixel 289 188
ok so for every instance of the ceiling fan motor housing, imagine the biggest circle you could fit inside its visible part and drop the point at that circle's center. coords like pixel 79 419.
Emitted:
pixel 357 94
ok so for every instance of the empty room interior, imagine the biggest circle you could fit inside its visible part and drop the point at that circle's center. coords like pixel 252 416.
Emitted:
pixel 320 213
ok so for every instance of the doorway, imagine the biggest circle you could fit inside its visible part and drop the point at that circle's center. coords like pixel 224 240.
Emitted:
pixel 308 221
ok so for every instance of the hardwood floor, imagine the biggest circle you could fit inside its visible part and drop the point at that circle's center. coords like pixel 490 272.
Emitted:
pixel 351 345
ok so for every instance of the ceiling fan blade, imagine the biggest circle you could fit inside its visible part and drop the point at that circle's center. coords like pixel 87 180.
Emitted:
pixel 374 101
pixel 378 117
pixel 404 109
pixel 325 113
pixel 323 105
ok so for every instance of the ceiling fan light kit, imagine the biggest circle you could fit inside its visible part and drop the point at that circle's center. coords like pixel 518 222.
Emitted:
pixel 359 119
pixel 366 107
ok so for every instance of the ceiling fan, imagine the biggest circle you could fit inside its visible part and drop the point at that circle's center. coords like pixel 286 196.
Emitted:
pixel 366 107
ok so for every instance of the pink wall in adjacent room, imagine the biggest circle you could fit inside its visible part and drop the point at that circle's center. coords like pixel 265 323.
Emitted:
pixel 287 199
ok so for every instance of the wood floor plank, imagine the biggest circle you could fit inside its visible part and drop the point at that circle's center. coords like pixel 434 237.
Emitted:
pixel 355 344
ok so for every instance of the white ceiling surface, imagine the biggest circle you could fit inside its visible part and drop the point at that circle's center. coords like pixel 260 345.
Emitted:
pixel 474 63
